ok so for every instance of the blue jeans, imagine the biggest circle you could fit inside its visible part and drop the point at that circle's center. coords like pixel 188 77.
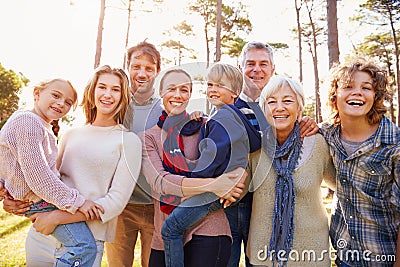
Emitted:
pixel 80 245
pixel 200 251
pixel 239 220
pixel 181 218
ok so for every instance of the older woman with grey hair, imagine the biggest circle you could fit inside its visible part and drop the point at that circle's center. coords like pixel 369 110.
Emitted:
pixel 289 223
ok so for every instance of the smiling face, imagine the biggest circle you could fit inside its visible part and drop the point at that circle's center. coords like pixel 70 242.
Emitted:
pixel 107 95
pixel 282 110
pixel 220 93
pixel 142 72
pixel 355 99
pixel 54 101
pixel 176 91
pixel 258 69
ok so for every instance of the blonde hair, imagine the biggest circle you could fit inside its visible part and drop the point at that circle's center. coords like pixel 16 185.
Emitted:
pixel 219 70
pixel 278 82
pixel 342 74
pixel 88 102
pixel 45 84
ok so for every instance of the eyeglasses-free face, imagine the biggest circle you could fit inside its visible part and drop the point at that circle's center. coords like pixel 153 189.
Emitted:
pixel 220 93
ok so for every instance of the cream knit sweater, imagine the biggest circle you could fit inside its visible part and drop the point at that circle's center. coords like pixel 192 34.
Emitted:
pixel 310 217
pixel 28 155
pixel 103 163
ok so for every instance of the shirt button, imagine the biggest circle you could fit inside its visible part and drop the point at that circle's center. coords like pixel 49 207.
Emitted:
pixel 351 217
pixel 352 237
pixel 372 171
pixel 344 161
pixel 344 180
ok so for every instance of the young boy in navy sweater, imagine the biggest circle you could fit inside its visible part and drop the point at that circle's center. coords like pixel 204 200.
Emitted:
pixel 226 140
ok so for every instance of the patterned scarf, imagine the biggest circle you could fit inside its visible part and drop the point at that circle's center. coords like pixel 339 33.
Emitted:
pixel 174 160
pixel 283 217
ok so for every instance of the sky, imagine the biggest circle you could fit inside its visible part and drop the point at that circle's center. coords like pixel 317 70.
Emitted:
pixel 45 39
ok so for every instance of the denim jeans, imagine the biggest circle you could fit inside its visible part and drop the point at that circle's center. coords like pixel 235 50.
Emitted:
pixel 239 220
pixel 77 239
pixel 200 251
pixel 181 218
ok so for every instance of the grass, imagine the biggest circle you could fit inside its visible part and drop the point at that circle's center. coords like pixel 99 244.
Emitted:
pixel 13 230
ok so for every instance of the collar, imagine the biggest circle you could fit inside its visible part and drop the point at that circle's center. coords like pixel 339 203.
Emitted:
pixel 153 98
pixel 387 133
pixel 246 98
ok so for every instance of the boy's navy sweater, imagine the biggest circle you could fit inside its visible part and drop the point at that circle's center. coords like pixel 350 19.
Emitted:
pixel 226 139
pixel 257 119
pixel 253 113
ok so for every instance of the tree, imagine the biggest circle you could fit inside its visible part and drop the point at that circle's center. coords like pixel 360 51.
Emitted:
pixel 333 43
pixel 384 13
pixel 234 47
pixel 235 20
pixel 298 7
pixel 380 47
pixel 311 31
pixel 99 39
pixel 218 35
pixel 130 4
pixel 10 84
pixel 182 29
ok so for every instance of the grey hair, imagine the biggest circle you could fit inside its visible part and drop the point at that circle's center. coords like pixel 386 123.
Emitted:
pixel 278 82
pixel 256 45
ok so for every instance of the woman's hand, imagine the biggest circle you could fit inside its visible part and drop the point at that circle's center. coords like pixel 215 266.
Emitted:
pixel 233 195
pixel 308 126
pixel 45 222
pixel 225 184
pixel 91 210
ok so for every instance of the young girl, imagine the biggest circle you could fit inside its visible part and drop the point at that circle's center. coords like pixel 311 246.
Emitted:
pixel 101 159
pixel 365 147
pixel 28 154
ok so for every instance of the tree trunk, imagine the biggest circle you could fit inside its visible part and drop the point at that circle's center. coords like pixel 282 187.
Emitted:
pixel 127 31
pixel 99 34
pixel 313 50
pixel 396 50
pixel 299 41
pixel 218 37
pixel 333 43
pixel 207 46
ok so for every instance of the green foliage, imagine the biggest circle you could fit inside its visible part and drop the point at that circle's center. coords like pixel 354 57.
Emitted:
pixel 379 12
pixel 378 46
pixel 234 46
pixel 10 86
pixel 235 23
pixel 309 108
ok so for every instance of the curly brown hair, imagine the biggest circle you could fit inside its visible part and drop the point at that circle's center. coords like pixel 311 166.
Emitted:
pixel 342 74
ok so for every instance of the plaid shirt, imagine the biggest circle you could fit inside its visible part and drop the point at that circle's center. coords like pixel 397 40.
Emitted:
pixel 366 207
